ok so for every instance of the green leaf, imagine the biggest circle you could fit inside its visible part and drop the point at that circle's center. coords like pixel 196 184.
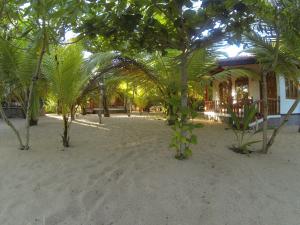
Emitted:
pixel 193 139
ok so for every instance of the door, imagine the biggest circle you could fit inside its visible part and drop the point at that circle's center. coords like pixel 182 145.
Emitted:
pixel 225 92
pixel 273 102
pixel 272 86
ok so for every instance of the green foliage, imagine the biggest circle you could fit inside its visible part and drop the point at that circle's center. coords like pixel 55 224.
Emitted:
pixel 183 131
pixel 240 128
pixel 160 25
pixel 64 69
pixel 16 69
pixel 35 106
pixel 50 104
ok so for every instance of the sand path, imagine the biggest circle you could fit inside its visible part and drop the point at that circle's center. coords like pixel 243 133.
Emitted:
pixel 123 173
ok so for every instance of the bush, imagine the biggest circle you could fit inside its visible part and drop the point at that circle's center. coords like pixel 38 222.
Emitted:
pixel 240 128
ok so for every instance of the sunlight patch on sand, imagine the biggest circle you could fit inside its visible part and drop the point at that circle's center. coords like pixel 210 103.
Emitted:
pixel 82 122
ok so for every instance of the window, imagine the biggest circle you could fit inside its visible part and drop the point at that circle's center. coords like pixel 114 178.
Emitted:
pixel 291 89
pixel 242 88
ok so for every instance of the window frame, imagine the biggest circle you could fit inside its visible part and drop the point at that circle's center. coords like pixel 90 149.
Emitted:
pixel 241 83
pixel 291 89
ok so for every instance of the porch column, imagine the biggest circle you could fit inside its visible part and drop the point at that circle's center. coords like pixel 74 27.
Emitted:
pixel 206 93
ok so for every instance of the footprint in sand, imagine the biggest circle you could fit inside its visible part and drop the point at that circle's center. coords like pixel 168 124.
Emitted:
pixel 116 175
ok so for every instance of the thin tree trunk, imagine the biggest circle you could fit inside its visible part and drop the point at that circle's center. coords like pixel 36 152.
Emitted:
pixel 58 108
pixel 65 136
pixel 128 104
pixel 133 96
pixel 100 103
pixel 105 100
pixel 10 124
pixel 129 108
pixel 33 122
pixel 265 111
pixel 171 114
pixel 31 93
pixel 105 105
pixel 265 90
pixel 73 112
pixel 284 121
pixel 184 101
pixel 125 103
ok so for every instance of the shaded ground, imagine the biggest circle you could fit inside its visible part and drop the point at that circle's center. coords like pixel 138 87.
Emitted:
pixel 123 173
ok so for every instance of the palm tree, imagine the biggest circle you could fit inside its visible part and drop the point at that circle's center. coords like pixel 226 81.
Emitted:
pixel 163 73
pixel 273 31
pixel 16 69
pixel 281 60
pixel 287 64
pixel 65 71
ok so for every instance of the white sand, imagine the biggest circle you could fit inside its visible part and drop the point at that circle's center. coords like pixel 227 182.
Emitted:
pixel 124 174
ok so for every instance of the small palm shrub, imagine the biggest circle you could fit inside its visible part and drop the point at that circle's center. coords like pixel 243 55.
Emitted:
pixel 240 127
pixel 65 71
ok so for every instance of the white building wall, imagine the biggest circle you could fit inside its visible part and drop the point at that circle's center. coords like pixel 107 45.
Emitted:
pixel 285 103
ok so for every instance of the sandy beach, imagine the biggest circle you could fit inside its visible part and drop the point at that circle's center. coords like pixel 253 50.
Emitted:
pixel 123 173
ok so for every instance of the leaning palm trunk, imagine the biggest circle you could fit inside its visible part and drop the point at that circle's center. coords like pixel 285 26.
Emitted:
pixel 31 93
pixel 284 121
pixel 65 136
pixel 9 123
pixel 265 92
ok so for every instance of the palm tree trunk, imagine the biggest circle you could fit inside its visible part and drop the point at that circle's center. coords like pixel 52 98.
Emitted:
pixel 133 96
pixel 33 122
pixel 58 108
pixel 9 123
pixel 104 98
pixel 284 121
pixel 125 104
pixel 265 90
pixel 31 93
pixel 105 104
pixel 265 112
pixel 184 100
pixel 100 104
pixel 73 112
pixel 171 114
pixel 65 136
pixel 129 107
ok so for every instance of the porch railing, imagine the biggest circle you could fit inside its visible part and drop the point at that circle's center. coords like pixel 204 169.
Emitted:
pixel 238 107
pixel 273 106
pixel 14 112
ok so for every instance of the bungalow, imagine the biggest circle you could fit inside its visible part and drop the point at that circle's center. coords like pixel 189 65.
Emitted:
pixel 237 91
